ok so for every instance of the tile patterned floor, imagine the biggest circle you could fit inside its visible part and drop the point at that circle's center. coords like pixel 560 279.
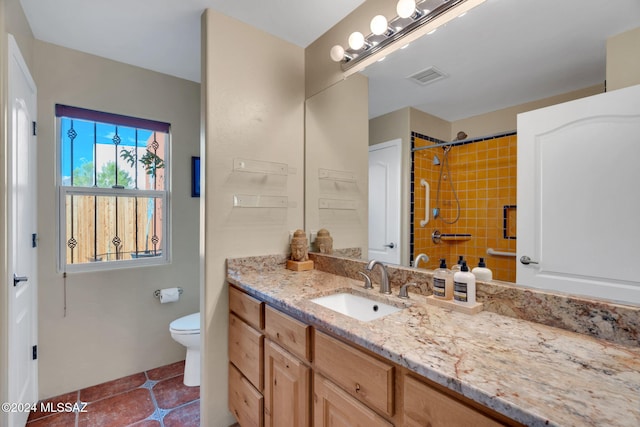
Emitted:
pixel 155 398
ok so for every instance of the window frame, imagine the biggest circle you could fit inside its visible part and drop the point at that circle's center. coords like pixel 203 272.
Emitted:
pixel 66 190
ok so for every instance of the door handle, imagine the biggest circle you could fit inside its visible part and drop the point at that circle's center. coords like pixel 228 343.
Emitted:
pixel 390 245
pixel 18 279
pixel 526 260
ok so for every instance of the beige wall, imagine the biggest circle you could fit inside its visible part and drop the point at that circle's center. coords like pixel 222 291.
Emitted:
pixel 504 120
pixel 336 138
pixel 433 126
pixel 392 125
pixel 17 25
pixel 623 60
pixel 113 326
pixel 253 106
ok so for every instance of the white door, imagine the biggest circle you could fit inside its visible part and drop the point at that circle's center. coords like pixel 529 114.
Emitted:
pixel 22 320
pixel 578 196
pixel 384 201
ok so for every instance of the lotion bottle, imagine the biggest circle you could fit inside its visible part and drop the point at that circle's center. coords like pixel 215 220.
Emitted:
pixel 443 281
pixel 464 286
pixel 456 267
pixel 482 272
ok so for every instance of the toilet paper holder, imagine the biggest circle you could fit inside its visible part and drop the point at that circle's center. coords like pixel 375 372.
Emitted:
pixel 156 293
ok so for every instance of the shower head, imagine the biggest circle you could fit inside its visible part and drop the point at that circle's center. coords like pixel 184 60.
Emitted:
pixel 436 160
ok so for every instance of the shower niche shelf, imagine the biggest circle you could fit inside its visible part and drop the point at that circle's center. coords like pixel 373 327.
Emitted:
pixel 438 237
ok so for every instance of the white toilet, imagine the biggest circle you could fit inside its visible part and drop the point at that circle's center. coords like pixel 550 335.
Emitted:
pixel 186 331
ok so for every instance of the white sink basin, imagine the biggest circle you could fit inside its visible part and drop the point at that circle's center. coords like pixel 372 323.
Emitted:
pixel 355 306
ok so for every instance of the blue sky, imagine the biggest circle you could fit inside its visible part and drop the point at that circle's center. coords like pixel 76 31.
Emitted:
pixel 83 143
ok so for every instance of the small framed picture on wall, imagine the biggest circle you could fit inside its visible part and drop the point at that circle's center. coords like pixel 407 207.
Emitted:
pixel 195 176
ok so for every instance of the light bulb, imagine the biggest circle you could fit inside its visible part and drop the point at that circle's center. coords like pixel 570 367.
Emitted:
pixel 356 40
pixel 406 8
pixel 379 25
pixel 337 53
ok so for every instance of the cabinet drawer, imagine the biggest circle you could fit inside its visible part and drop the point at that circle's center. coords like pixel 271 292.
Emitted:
pixel 245 402
pixel 288 332
pixel 246 350
pixel 365 377
pixel 426 406
pixel 246 307
pixel 334 407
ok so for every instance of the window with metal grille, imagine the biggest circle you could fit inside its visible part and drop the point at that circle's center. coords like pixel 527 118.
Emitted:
pixel 113 190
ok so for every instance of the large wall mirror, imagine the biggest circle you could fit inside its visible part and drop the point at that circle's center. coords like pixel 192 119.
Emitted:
pixel 481 70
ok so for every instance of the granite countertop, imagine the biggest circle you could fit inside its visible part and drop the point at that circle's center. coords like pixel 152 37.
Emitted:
pixel 535 374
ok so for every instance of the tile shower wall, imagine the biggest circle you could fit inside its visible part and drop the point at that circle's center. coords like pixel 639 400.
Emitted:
pixel 484 177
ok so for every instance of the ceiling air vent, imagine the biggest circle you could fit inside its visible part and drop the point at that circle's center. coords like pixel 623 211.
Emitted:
pixel 426 76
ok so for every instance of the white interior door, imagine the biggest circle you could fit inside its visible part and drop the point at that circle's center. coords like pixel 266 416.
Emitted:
pixel 384 201
pixel 578 197
pixel 22 315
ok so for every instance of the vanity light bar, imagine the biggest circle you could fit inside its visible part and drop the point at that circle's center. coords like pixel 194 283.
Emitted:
pixel 361 47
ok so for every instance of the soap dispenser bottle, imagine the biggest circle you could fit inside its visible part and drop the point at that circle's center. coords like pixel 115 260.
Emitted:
pixel 443 281
pixel 456 267
pixel 464 286
pixel 482 272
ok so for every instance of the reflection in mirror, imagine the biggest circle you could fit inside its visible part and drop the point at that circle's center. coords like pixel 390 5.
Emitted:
pixel 472 199
pixel 500 59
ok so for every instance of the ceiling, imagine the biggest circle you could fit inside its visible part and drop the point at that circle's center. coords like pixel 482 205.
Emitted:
pixel 500 54
pixel 164 35
pixel 503 53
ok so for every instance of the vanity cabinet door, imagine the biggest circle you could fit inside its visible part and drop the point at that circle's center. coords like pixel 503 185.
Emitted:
pixel 426 406
pixel 287 389
pixel 245 402
pixel 332 407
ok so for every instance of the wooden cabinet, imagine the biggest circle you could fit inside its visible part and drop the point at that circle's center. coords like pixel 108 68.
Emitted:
pixel 246 358
pixel 333 407
pixel 426 406
pixel 290 333
pixel 274 358
pixel 246 307
pixel 287 389
pixel 365 377
pixel 287 376
pixel 245 402
pixel 246 350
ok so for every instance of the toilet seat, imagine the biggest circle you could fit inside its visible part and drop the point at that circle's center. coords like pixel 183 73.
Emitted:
pixel 187 325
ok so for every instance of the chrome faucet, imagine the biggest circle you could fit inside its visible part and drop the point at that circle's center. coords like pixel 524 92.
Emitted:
pixel 423 257
pixel 384 277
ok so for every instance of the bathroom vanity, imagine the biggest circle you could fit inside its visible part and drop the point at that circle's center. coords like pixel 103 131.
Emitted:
pixel 294 362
